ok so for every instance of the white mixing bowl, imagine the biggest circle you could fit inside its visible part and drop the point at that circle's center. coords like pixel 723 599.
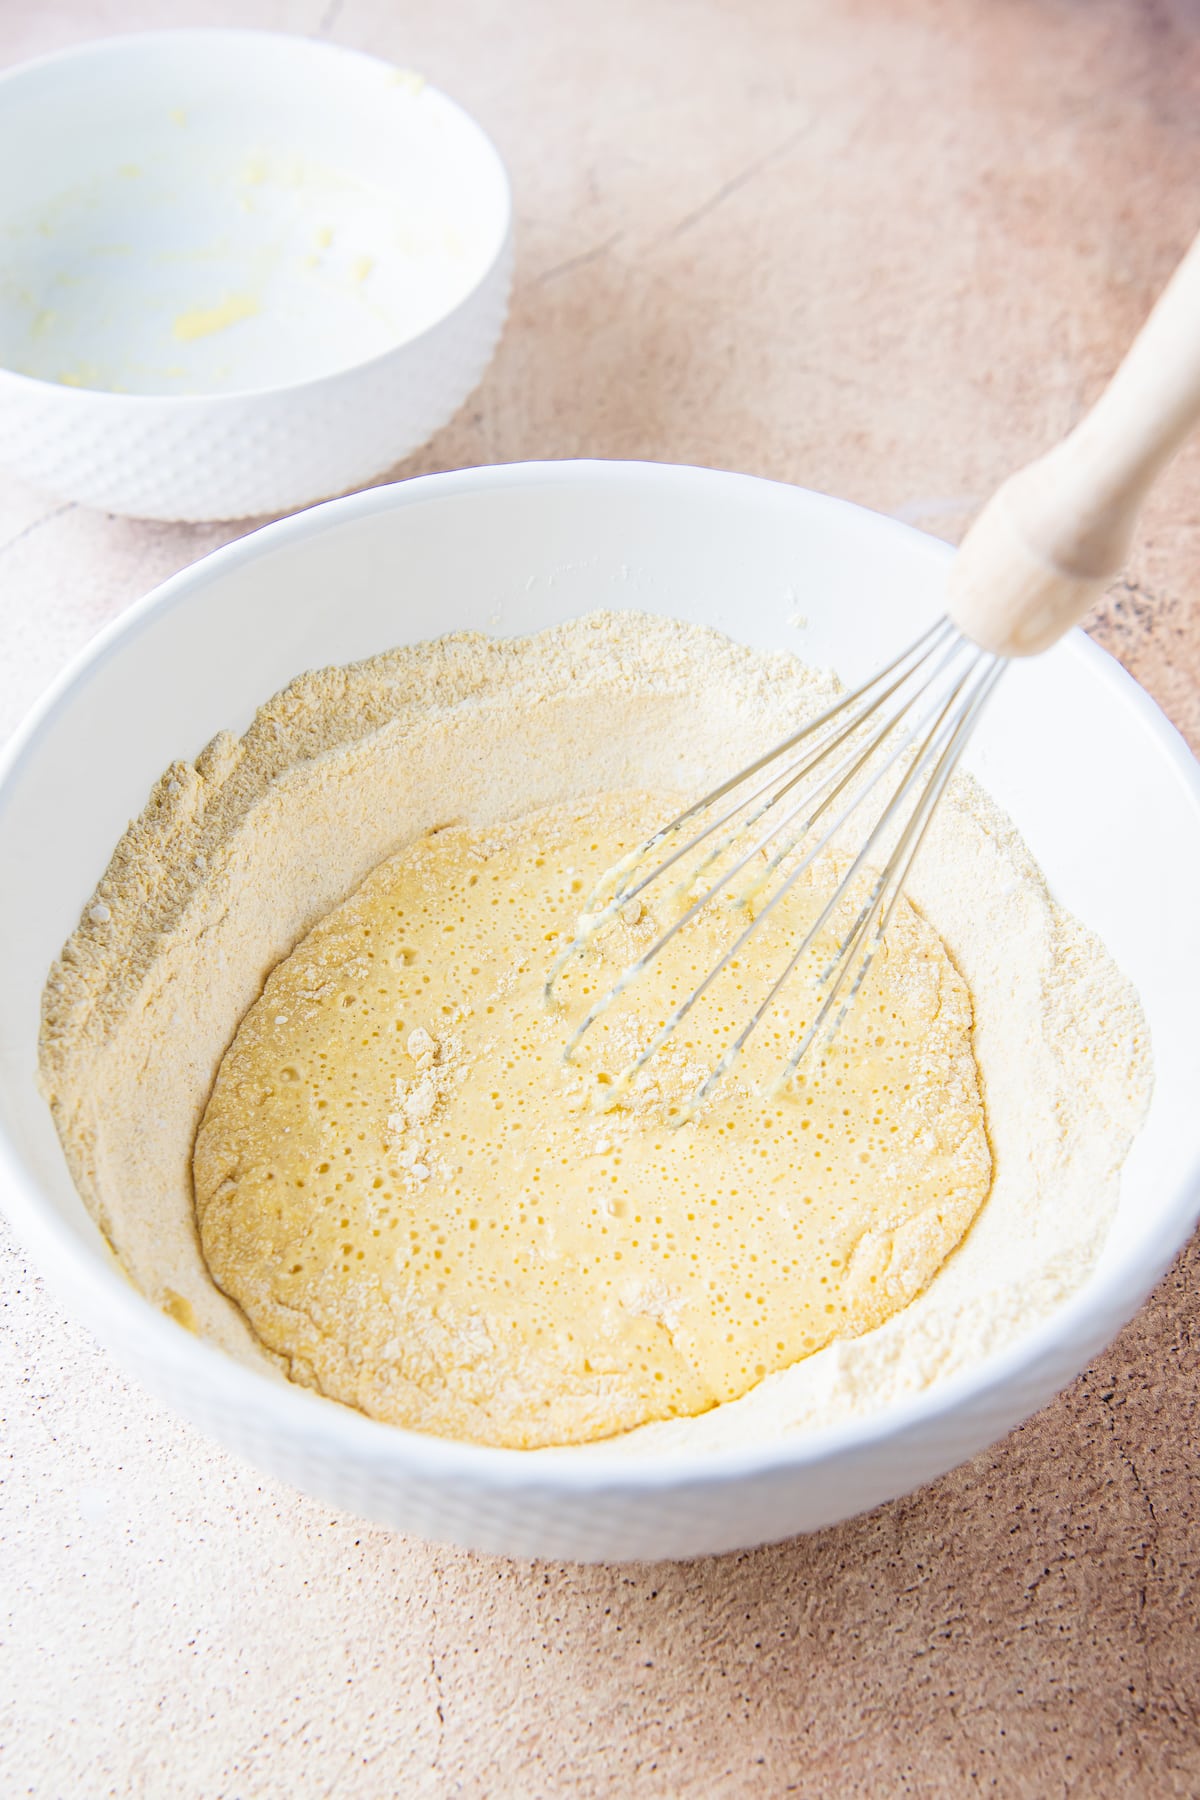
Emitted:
pixel 241 271
pixel 1104 790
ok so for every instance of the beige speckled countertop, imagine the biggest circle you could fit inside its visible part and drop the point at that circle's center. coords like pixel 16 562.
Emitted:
pixel 882 247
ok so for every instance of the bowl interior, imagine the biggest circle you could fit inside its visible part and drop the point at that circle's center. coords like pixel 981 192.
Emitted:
pixel 1101 787
pixel 208 212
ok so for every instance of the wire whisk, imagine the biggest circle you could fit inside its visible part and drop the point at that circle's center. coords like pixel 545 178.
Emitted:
pixel 875 765
pixel 882 754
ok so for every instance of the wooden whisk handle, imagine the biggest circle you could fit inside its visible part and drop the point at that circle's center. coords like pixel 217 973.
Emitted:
pixel 1053 536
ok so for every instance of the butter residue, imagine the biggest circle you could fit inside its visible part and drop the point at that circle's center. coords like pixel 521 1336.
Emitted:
pixel 204 321
pixel 177 1307
pixel 84 375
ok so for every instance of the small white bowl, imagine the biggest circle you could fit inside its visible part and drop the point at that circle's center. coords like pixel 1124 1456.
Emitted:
pixel 1103 789
pixel 241 271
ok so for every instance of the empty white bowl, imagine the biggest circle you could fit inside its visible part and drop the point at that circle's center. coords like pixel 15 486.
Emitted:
pixel 1104 790
pixel 241 271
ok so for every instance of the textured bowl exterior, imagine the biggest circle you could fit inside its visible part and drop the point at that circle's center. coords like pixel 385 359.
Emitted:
pixel 272 442
pixel 513 549
pixel 240 456
pixel 542 1506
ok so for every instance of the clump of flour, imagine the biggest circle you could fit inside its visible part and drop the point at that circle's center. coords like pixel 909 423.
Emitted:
pixel 417 1098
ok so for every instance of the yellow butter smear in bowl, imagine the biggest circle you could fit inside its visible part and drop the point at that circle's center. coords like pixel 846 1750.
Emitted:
pixel 428 1215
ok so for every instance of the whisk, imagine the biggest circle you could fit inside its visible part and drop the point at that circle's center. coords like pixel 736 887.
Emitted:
pixel 878 761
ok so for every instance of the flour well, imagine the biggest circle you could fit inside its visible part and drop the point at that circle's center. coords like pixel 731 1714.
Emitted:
pixel 426 1226
pixel 239 854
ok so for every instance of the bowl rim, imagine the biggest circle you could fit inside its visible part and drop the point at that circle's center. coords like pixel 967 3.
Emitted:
pixel 116 42
pixel 129 1322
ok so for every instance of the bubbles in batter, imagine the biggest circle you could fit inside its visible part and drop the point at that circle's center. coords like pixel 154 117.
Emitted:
pixel 431 1217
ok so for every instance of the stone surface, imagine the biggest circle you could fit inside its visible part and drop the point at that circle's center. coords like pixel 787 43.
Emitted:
pixel 883 247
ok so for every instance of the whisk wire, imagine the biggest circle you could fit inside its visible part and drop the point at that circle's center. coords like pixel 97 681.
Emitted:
pixel 843 960
pixel 828 790
pixel 843 775
pixel 775 793
pixel 894 876
pixel 854 766
pixel 622 893
pixel 913 654
pixel 911 721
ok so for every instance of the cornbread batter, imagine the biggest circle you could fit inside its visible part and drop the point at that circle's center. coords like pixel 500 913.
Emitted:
pixel 241 851
pixel 432 1218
